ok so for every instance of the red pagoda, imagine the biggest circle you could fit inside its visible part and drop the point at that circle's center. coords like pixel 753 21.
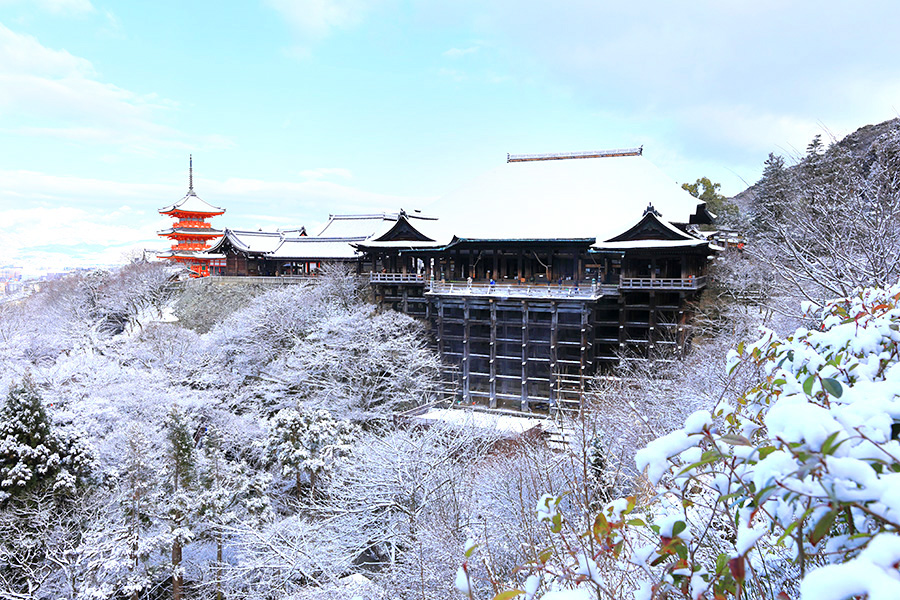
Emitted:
pixel 191 234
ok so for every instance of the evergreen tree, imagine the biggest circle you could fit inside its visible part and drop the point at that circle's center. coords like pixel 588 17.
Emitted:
pixel 773 193
pixel 34 455
pixel 307 443
pixel 181 479
pixel 231 495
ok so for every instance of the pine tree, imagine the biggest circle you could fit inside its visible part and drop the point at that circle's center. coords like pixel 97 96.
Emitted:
pixel 182 505
pixel 773 194
pixel 34 455
pixel 307 443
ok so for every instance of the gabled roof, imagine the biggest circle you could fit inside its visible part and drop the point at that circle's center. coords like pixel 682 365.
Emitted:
pixel 651 227
pixel 402 230
pixel 192 203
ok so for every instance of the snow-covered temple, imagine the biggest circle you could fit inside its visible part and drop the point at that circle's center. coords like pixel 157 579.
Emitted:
pixel 191 234
pixel 532 277
pixel 546 268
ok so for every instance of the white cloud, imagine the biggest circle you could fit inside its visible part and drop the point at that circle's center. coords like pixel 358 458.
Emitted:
pixel 323 172
pixel 66 6
pixel 459 52
pixel 315 19
pixel 57 7
pixel 53 221
pixel 775 67
pixel 63 94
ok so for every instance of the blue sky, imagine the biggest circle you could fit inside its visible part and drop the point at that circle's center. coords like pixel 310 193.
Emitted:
pixel 294 109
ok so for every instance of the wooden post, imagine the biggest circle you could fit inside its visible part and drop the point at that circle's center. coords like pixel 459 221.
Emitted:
pixel 585 349
pixel 493 363
pixel 524 402
pixel 554 370
pixel 440 327
pixel 467 395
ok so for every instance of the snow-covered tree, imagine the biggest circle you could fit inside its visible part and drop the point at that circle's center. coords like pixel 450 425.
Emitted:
pixel 788 491
pixel 33 453
pixel 181 502
pixel 308 443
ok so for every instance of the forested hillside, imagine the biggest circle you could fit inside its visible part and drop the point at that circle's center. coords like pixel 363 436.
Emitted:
pixel 169 440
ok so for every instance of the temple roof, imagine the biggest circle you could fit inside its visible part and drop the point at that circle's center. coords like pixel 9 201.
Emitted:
pixel 568 197
pixel 257 242
pixel 192 203
pixel 371 226
pixel 316 248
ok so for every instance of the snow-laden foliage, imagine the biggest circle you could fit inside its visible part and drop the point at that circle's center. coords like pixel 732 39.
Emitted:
pixel 789 491
pixel 34 453
pixel 831 223
pixel 308 443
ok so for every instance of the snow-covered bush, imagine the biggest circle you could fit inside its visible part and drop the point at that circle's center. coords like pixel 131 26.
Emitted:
pixel 792 490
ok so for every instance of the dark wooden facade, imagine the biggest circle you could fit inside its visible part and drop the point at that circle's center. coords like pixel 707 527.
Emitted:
pixel 525 323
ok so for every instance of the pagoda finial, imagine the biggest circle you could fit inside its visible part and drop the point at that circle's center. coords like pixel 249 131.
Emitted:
pixel 190 173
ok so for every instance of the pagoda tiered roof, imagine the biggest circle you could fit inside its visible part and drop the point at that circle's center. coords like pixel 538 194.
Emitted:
pixel 194 205
pixel 190 231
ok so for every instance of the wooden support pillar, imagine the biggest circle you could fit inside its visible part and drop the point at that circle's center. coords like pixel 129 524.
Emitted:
pixel 520 274
pixel 554 368
pixel 524 402
pixel 440 327
pixel 652 336
pixel 493 363
pixel 467 394
pixel 405 295
pixel 496 272
pixel 586 347
pixel 622 338
pixel 551 276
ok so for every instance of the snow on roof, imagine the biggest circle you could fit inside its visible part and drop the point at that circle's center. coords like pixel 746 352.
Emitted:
pixel 251 241
pixel 504 423
pixel 194 204
pixel 649 244
pixel 358 226
pixel 564 199
pixel 314 248
pixel 373 225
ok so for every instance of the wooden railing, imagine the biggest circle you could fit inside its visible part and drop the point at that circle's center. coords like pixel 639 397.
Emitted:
pixel 649 283
pixel 520 290
pixel 396 278
pixel 281 279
